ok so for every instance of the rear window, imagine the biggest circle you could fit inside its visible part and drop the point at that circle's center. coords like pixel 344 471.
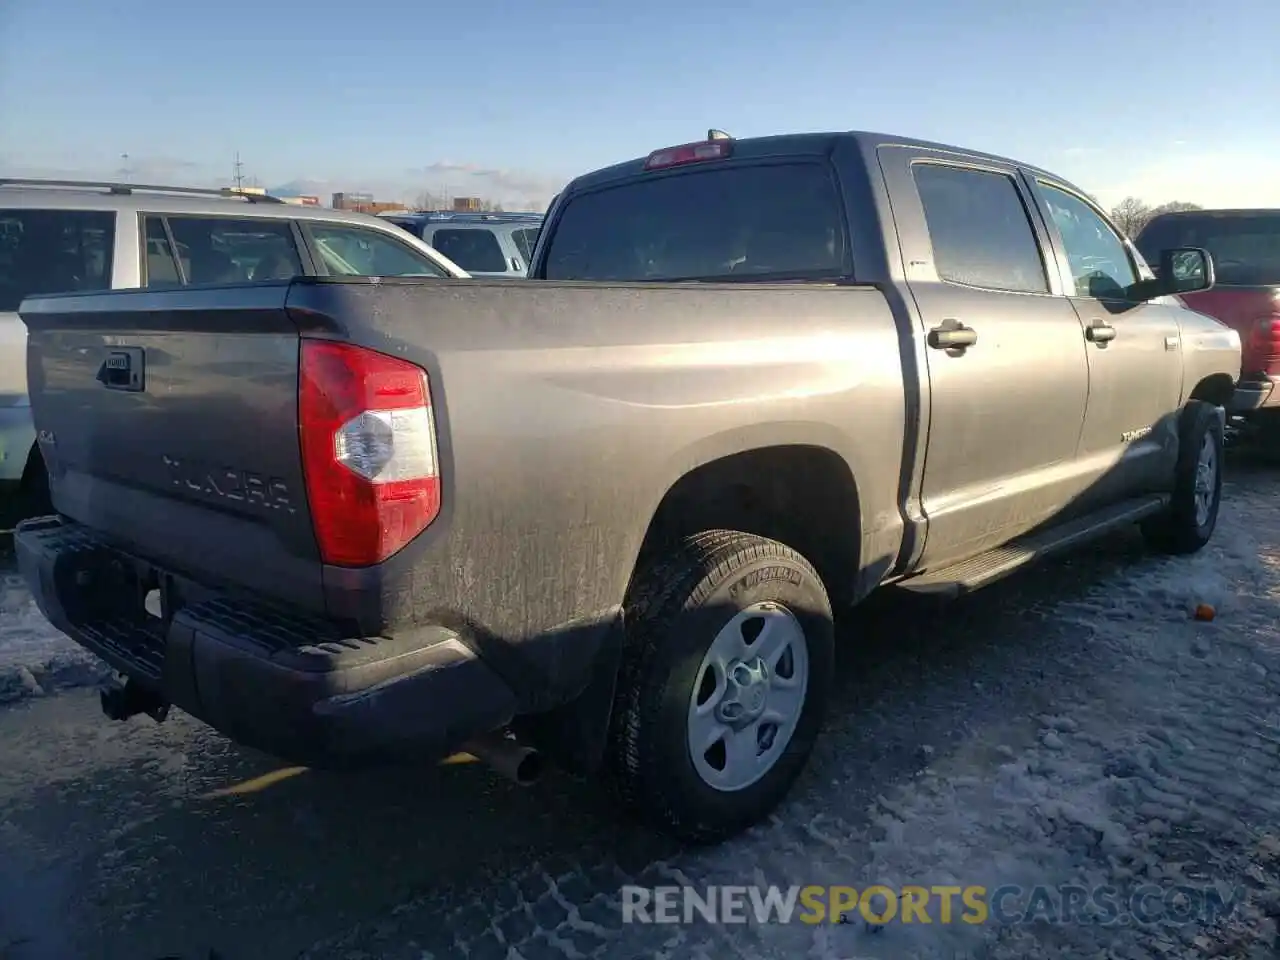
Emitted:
pixel 1245 246
pixel 54 251
pixel 761 222
pixel 525 241
pixel 474 250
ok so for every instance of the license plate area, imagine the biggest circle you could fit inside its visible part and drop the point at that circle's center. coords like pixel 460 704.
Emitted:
pixel 110 586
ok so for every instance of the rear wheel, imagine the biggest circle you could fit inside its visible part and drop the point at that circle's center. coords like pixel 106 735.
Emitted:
pixel 1188 524
pixel 723 685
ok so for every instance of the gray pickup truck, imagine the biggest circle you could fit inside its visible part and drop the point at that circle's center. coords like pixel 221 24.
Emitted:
pixel 604 516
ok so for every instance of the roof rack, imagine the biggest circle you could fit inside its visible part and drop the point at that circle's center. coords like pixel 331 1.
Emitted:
pixel 124 189
pixel 471 216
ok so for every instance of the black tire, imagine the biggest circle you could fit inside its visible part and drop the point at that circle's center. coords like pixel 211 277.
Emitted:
pixel 1178 530
pixel 675 610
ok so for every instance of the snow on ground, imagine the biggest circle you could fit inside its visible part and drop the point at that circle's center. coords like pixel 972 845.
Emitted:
pixel 1160 768
pixel 34 657
pixel 1145 756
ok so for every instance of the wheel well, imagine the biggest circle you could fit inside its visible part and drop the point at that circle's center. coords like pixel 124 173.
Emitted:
pixel 803 496
pixel 1216 389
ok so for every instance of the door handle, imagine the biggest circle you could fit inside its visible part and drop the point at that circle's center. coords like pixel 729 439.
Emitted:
pixel 952 335
pixel 1098 332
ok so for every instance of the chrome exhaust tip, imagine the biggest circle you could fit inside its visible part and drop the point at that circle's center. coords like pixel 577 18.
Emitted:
pixel 520 764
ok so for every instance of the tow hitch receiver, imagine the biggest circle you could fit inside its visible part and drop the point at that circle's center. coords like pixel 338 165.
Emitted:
pixel 120 701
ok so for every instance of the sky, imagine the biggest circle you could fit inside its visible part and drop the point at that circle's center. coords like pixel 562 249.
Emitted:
pixel 1170 100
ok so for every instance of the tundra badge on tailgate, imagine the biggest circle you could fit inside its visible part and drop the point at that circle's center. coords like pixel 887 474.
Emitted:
pixel 123 369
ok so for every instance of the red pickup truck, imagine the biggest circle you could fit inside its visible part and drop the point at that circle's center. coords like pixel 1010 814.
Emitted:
pixel 1245 245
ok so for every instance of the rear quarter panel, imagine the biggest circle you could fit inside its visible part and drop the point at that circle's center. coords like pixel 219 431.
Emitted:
pixel 566 412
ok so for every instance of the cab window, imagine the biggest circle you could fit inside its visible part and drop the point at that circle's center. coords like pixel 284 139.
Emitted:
pixel 1101 267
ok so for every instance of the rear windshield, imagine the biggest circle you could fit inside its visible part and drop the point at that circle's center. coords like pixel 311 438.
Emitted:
pixel 1245 246
pixel 761 222
pixel 53 251
pixel 474 250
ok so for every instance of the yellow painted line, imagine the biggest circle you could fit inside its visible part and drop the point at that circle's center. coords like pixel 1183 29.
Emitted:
pixel 457 758
pixel 254 784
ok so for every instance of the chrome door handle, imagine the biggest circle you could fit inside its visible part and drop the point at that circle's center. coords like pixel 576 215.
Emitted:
pixel 1100 333
pixel 952 335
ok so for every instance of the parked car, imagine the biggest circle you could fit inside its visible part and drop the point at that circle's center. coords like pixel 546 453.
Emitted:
pixel 612 519
pixel 1246 294
pixel 483 244
pixel 76 236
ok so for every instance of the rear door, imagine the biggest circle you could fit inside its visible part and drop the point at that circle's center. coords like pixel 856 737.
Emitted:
pixel 180 249
pixel 1134 351
pixel 1006 409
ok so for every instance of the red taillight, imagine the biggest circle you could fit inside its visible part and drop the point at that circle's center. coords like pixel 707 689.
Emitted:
pixel 689 153
pixel 368 451
pixel 1265 344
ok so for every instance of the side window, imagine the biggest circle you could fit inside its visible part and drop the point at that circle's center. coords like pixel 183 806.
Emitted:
pixel 54 251
pixel 474 250
pixel 525 241
pixel 980 230
pixel 1100 263
pixel 229 249
pixel 162 265
pixel 347 251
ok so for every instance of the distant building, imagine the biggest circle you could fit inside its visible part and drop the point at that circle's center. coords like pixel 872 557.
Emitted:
pixel 351 201
pixel 363 203
pixel 467 204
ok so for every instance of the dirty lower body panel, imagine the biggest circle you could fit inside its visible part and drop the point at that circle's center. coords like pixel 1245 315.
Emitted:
pixel 291 685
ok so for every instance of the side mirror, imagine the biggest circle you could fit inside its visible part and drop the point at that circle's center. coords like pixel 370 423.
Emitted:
pixel 1181 270
pixel 1186 269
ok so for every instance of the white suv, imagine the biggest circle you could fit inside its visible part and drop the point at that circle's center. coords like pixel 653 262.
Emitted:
pixel 62 236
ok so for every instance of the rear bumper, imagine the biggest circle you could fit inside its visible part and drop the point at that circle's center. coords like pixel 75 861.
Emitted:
pixel 291 686
pixel 1260 394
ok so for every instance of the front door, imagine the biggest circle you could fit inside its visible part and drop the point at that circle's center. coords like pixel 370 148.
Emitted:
pixel 1006 409
pixel 1129 440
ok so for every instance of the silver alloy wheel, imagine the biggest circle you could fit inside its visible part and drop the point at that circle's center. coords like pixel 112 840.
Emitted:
pixel 749 696
pixel 1206 479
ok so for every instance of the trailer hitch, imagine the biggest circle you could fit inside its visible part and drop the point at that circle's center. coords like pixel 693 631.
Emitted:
pixel 120 701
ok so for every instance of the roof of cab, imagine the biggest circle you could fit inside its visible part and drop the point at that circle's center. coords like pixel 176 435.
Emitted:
pixel 804 144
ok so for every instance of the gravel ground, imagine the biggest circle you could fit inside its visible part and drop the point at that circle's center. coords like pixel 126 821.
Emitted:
pixel 1073 726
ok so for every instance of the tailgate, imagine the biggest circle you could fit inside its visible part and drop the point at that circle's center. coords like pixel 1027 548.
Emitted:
pixel 169 423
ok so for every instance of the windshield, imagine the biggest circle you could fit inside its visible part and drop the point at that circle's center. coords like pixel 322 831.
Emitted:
pixel 758 222
pixel 1245 246
pixel 53 251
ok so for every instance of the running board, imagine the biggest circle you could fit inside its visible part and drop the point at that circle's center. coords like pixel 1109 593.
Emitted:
pixel 976 572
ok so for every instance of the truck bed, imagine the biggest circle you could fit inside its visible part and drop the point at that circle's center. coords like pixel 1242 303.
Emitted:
pixel 563 413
